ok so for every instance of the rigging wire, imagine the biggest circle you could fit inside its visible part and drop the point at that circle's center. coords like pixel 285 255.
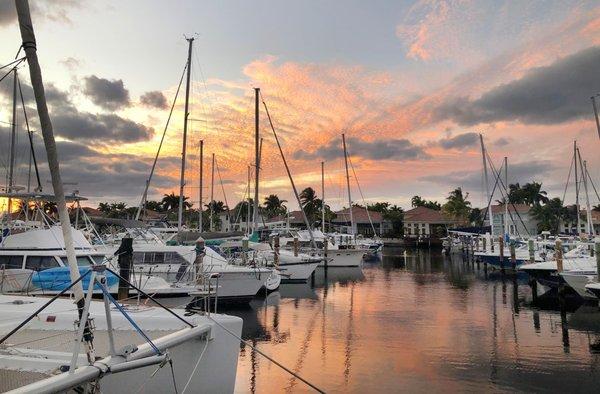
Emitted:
pixel 568 178
pixel 362 196
pixel 145 194
pixel 30 135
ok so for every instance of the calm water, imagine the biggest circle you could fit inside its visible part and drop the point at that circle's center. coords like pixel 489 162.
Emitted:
pixel 418 323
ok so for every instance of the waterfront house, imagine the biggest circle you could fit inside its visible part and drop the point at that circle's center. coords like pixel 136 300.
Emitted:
pixel 520 219
pixel 570 226
pixel 422 222
pixel 362 220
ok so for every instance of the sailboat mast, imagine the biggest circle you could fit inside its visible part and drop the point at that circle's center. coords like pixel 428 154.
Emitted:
pixel 506 190
pixel 29 45
pixel 588 208
pixel 323 196
pixel 256 157
pixel 13 137
pixel 576 187
pixel 212 193
pixel 186 114
pixel 487 187
pixel 200 229
pixel 348 185
pixel 596 114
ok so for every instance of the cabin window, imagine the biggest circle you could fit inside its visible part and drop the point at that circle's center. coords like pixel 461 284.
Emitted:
pixel 98 259
pixel 138 257
pixel 82 261
pixel 39 263
pixel 11 262
pixel 174 258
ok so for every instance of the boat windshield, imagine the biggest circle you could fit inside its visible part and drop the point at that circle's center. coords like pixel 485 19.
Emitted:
pixel 82 261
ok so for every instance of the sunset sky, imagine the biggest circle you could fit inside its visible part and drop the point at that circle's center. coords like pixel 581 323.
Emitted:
pixel 410 83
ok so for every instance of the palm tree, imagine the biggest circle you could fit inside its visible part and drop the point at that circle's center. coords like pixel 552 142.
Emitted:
pixel 550 215
pixel 217 206
pixel 310 203
pixel 534 195
pixel 274 206
pixel 170 202
pixel 457 205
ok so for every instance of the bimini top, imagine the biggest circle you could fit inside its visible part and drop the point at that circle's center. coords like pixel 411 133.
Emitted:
pixel 47 239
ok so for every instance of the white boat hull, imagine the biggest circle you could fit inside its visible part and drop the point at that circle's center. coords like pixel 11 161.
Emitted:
pixel 297 272
pixel 578 282
pixel 343 258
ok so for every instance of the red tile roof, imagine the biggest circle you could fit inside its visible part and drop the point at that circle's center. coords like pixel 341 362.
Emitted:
pixel 427 215
pixel 521 208
pixel 359 215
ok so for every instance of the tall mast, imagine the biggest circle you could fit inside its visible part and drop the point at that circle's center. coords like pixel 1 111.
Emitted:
pixel 256 157
pixel 29 45
pixel 248 205
pixel 576 187
pixel 596 115
pixel 212 193
pixel 348 185
pixel 487 187
pixel 588 208
pixel 323 196
pixel 13 137
pixel 185 125
pixel 506 190
pixel 200 229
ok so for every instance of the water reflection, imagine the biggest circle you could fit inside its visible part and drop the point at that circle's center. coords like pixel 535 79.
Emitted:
pixel 418 321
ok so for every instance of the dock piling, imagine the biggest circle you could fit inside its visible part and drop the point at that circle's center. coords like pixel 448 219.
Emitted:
pixel 125 258
pixel 531 251
pixel 558 253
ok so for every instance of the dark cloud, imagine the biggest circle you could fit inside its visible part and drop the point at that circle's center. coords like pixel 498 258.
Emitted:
pixel 8 14
pixel 460 142
pixel 556 93
pixel 101 128
pixel 97 174
pixel 70 123
pixel 473 180
pixel 108 94
pixel 54 10
pixel 154 99
pixel 397 150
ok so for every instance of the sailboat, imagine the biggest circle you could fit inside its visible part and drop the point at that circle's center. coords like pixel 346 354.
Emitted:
pixel 101 351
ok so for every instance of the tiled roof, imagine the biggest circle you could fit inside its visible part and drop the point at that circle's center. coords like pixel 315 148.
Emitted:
pixel 427 215
pixel 499 208
pixel 359 215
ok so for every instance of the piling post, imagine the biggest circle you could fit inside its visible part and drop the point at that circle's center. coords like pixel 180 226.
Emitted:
pixel 513 256
pixel 477 243
pixel 296 246
pixel 325 250
pixel 245 244
pixel 531 251
pixel 484 240
pixel 597 253
pixel 125 258
pixel 558 254
pixel 501 247
pixel 276 251
pixel 200 252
